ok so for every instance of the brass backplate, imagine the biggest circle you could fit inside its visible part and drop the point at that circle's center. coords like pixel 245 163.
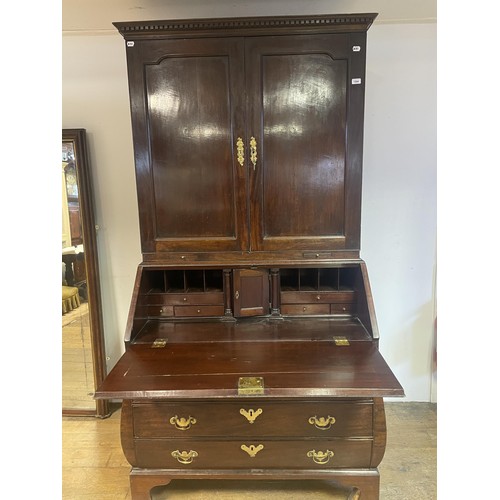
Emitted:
pixel 159 343
pixel 341 341
pixel 249 386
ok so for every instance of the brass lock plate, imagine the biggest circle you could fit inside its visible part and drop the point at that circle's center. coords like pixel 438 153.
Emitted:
pixel 341 341
pixel 250 386
pixel 158 343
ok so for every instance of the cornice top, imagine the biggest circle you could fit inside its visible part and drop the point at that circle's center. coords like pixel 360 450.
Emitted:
pixel 245 25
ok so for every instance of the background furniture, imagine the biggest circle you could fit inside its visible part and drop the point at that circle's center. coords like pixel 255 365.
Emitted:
pixel 70 298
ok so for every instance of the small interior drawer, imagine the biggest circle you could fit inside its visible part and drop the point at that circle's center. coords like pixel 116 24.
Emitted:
pixel 297 309
pixel 342 308
pixel 198 310
pixel 154 311
pixel 179 299
pixel 317 297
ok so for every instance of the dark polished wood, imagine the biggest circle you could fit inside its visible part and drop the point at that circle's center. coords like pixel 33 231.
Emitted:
pixel 365 483
pixel 380 437
pixel 300 191
pixel 86 207
pixel 187 28
pixel 251 292
pixel 274 454
pixel 212 369
pixel 251 343
pixel 188 111
pixel 297 188
pixel 286 417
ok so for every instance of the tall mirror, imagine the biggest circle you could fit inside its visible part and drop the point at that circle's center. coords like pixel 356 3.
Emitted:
pixel 83 356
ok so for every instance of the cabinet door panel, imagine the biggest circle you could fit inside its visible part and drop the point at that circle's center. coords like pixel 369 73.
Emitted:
pixel 251 292
pixel 194 198
pixel 298 104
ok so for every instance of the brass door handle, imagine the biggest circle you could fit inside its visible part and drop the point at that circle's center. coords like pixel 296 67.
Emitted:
pixel 185 457
pixel 322 423
pixel 240 151
pixel 320 457
pixel 253 151
pixel 181 423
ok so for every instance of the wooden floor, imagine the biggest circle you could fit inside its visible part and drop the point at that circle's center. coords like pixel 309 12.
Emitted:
pixel 94 467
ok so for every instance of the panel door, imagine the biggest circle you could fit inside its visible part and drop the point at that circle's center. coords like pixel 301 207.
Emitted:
pixel 250 292
pixel 187 112
pixel 304 189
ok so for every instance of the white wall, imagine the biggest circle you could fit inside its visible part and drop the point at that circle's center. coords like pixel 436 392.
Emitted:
pixel 95 97
pixel 398 231
pixel 399 187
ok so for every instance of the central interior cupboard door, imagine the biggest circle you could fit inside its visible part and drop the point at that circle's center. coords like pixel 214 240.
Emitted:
pixel 189 113
pixel 298 107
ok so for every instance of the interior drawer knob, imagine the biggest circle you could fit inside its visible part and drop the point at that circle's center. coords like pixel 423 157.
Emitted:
pixel 320 457
pixel 322 423
pixel 185 457
pixel 251 415
pixel 181 423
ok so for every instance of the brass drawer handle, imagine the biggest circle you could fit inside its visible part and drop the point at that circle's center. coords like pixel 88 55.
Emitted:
pixel 251 415
pixel 322 423
pixel 181 423
pixel 320 457
pixel 252 450
pixel 185 457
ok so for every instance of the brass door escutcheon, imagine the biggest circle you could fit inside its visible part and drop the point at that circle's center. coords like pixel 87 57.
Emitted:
pixel 185 457
pixel 253 151
pixel 322 423
pixel 251 415
pixel 252 450
pixel 240 147
pixel 181 423
pixel 320 457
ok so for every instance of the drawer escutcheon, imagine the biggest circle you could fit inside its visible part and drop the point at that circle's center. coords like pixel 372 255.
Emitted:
pixel 252 450
pixel 185 457
pixel 251 415
pixel 322 423
pixel 320 457
pixel 181 423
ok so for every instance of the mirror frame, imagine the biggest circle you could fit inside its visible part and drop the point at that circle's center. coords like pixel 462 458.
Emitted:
pixel 85 193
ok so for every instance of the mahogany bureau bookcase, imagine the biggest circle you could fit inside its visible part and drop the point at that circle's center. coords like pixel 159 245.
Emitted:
pixel 251 348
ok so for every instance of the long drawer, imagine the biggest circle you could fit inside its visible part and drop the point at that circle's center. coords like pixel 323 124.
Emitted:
pixel 254 418
pixel 254 454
